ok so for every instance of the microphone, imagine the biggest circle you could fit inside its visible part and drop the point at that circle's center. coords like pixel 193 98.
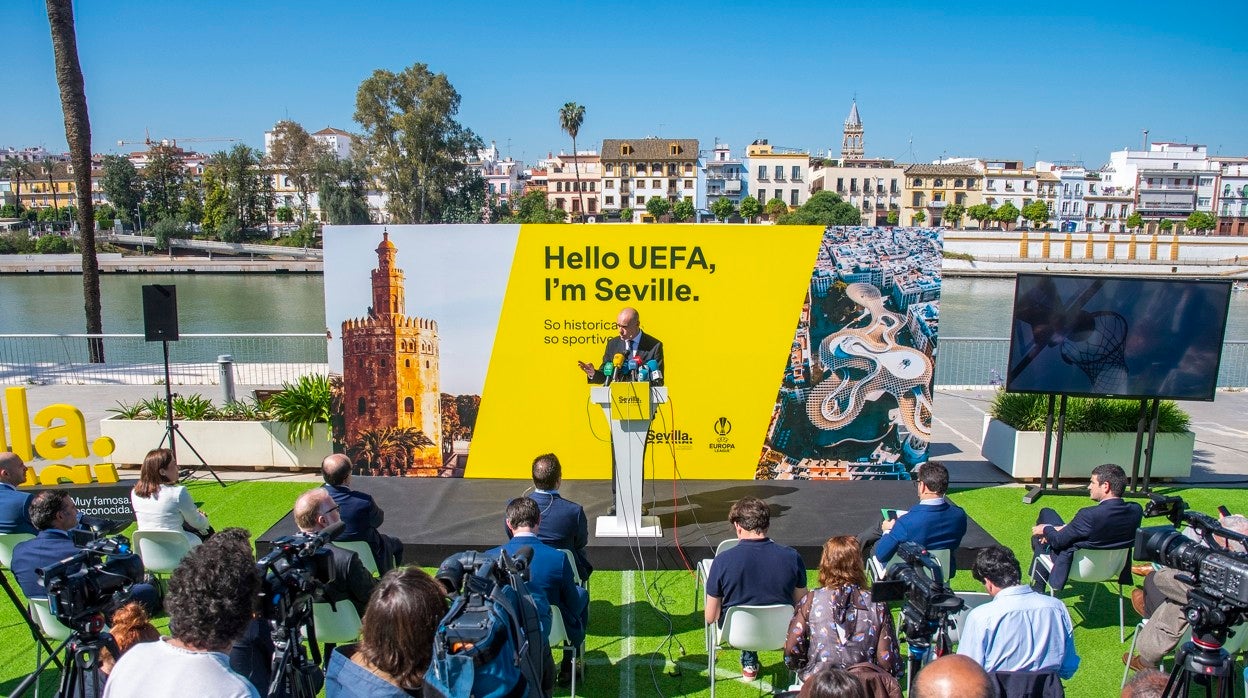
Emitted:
pixel 523 557
pixel 632 369
pixel 331 531
pixel 656 376
pixel 618 361
pixel 608 369
pixel 643 373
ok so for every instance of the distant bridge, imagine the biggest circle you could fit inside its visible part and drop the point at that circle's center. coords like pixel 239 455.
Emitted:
pixel 212 247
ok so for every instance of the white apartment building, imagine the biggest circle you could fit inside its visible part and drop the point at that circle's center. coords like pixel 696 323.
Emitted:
pixel 1170 180
pixel 874 186
pixel 636 170
pixel 722 177
pixel 565 173
pixel 774 172
pixel 1232 199
pixel 502 175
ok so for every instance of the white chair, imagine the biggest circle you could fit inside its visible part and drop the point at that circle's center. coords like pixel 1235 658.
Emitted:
pixel 1236 642
pixel 972 599
pixel 558 638
pixel 161 551
pixel 9 541
pixel 1093 566
pixel 576 574
pixel 753 628
pixel 49 626
pixel 704 569
pixel 361 548
pixel 878 568
pixel 336 627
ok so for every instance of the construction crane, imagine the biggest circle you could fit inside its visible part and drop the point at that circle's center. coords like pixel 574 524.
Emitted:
pixel 172 142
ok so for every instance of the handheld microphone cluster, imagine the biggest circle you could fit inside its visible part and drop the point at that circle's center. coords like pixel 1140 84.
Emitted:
pixel 610 370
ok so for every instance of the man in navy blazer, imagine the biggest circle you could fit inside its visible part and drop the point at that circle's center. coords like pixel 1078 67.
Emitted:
pixel 14 504
pixel 564 524
pixel 54 514
pixel 1109 525
pixel 360 513
pixel 935 523
pixel 550 576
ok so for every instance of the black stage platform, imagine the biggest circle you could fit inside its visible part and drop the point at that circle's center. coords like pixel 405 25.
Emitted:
pixel 438 517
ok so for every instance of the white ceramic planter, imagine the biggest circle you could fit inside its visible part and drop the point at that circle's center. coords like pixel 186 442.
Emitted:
pixel 1019 453
pixel 243 444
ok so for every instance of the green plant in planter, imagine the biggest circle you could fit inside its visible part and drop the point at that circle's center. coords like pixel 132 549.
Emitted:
pixel 301 405
pixel 194 407
pixel 244 410
pixel 1027 412
pixel 131 410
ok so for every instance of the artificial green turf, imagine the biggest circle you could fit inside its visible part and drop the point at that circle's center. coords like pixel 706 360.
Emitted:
pixel 650 616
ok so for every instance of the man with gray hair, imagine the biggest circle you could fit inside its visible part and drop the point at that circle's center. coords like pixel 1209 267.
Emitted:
pixel 14 504
pixel 360 513
pixel 1161 602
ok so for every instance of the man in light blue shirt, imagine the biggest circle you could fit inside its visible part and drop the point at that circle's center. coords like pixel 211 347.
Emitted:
pixel 1020 629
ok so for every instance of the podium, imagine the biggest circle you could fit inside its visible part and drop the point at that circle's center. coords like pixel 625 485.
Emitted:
pixel 629 407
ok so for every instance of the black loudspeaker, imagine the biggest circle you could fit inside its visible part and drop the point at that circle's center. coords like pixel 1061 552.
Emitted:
pixel 160 313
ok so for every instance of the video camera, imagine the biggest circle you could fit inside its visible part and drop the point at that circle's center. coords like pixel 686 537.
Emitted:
pixel 929 602
pixel 294 570
pixel 80 587
pixel 1220 575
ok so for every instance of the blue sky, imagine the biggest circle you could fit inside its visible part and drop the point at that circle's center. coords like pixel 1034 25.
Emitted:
pixel 998 80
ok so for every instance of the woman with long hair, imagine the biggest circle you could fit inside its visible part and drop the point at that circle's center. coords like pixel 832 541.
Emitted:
pixel 161 504
pixel 837 624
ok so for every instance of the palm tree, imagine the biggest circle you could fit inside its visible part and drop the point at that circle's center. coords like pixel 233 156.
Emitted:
pixel 78 136
pixel 374 450
pixel 14 168
pixel 571 116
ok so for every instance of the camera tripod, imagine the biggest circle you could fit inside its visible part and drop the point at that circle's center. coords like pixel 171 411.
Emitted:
pixel 1202 662
pixel 80 673
pixel 293 675
pixel 173 433
pixel 926 638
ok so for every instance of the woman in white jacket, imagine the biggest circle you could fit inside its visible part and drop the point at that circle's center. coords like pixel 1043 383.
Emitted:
pixel 161 504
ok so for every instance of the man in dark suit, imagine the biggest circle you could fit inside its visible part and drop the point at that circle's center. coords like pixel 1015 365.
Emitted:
pixel 54 514
pixel 314 511
pixel 14 504
pixel 550 577
pixel 360 513
pixel 633 344
pixel 935 523
pixel 564 524
pixel 1109 525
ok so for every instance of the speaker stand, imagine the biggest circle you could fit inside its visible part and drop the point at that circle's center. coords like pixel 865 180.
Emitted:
pixel 173 433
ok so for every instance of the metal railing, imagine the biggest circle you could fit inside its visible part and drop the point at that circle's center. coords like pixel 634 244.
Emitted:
pixel 259 359
pixel 270 359
pixel 982 361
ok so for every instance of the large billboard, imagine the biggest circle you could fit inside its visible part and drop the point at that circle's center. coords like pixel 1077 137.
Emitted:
pixel 462 343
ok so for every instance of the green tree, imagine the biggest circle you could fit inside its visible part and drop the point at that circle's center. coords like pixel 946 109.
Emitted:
pixel 1199 220
pixel 167 229
pixel 723 208
pixel 1166 225
pixel 123 186
pixel 104 215
pixel 229 230
pixel 417 148
pixel 15 170
pixel 919 218
pixel 776 208
pixel 823 208
pixel 893 216
pixel 53 244
pixel 48 170
pixel 468 202
pixel 296 156
pixel 658 207
pixel 1135 220
pixel 237 175
pixel 49 214
pixel 191 209
pixel 1036 213
pixel 534 208
pixel 343 191
pixel 1007 213
pixel 216 201
pixel 953 214
pixel 162 183
pixel 285 214
pixel 571 116
pixel 750 208
pixel 626 215
pixel 683 210
pixel 981 213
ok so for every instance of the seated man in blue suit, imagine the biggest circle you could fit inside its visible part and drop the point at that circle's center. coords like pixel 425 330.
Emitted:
pixel 1109 525
pixel 14 504
pixel 360 513
pixel 550 577
pixel 935 523
pixel 53 512
pixel 564 524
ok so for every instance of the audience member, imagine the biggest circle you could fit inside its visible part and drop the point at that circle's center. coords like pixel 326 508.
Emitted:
pixel 833 682
pixel 314 511
pixel 935 523
pixel 756 572
pixel 1161 602
pixel 396 640
pixel 129 626
pixel 952 676
pixel 360 513
pixel 837 624
pixel 54 515
pixel 1110 524
pixel 564 524
pixel 1020 629
pixel 161 504
pixel 550 577
pixel 14 504
pixel 1147 683
pixel 212 595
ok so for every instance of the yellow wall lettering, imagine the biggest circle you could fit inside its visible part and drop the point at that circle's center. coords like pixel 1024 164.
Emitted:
pixel 73 430
pixel 19 423
pixel 77 474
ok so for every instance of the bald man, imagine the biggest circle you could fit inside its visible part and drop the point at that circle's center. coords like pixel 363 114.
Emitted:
pixel 360 513
pixel 14 504
pixel 952 676
pixel 315 510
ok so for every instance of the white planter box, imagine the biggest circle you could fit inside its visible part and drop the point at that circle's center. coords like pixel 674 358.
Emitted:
pixel 1019 453
pixel 244 444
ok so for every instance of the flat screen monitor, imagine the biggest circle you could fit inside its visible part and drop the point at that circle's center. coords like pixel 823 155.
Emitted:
pixel 1117 337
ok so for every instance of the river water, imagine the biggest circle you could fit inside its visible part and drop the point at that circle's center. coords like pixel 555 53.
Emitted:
pixel 290 303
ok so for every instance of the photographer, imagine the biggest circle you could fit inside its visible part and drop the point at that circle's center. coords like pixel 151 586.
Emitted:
pixel 54 515
pixel 211 597
pixel 1161 601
